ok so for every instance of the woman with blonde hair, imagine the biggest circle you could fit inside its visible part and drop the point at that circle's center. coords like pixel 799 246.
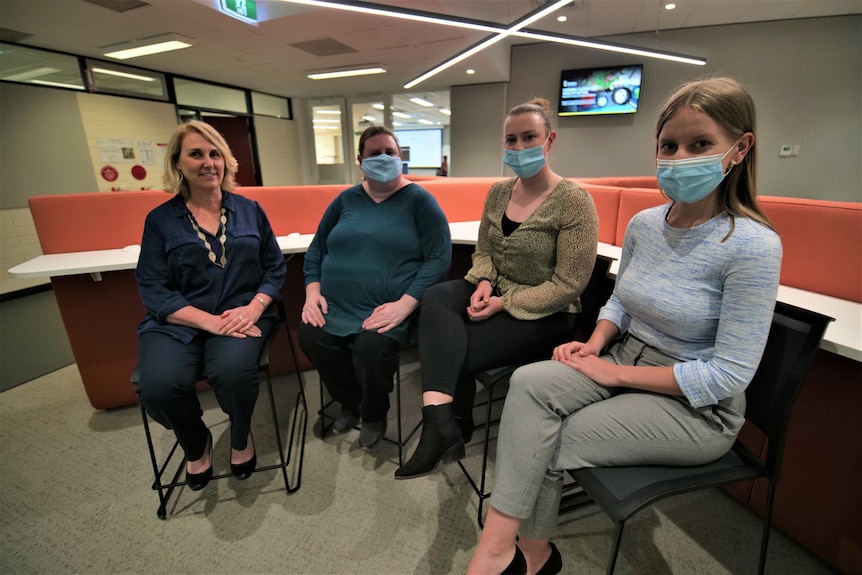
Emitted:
pixel 535 254
pixel 662 378
pixel 208 270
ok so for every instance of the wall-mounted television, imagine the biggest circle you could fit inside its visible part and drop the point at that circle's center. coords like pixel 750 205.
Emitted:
pixel 606 90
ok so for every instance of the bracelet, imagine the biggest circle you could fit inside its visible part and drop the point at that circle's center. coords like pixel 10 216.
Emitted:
pixel 260 299
pixel 485 279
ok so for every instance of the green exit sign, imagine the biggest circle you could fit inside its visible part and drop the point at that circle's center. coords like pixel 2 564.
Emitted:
pixel 245 10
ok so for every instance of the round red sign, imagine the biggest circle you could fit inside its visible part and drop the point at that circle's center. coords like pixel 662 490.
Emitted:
pixel 139 172
pixel 110 173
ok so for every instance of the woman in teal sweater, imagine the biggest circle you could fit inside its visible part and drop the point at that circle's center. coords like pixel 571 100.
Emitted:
pixel 379 246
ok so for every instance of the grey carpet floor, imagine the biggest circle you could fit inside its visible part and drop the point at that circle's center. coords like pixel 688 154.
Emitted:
pixel 33 340
pixel 75 497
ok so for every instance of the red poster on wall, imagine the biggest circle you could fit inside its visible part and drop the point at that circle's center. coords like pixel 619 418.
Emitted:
pixel 110 173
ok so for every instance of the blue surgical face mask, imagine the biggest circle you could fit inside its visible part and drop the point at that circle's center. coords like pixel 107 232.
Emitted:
pixel 382 168
pixel 692 179
pixel 526 163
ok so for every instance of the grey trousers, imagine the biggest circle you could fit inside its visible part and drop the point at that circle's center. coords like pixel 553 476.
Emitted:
pixel 555 418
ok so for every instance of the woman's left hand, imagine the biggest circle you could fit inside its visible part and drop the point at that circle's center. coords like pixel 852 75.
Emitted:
pixel 388 316
pixel 494 305
pixel 600 371
pixel 240 321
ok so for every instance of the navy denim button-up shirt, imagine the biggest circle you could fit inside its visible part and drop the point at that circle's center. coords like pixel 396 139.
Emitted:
pixel 174 270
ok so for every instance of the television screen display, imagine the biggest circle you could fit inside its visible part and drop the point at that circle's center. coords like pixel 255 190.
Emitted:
pixel 421 148
pixel 608 90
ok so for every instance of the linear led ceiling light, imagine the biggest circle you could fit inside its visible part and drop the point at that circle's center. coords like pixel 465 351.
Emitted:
pixel 533 16
pixel 147 46
pixel 403 13
pixel 421 102
pixel 500 32
pixel 344 73
pixel 610 46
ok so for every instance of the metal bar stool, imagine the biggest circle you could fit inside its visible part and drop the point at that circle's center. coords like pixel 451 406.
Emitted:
pixel 298 429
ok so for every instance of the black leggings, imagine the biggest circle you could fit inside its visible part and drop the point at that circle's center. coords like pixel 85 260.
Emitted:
pixel 452 348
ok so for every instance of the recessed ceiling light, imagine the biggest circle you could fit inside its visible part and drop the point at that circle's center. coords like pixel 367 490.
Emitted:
pixel 471 71
pixel 333 112
pixel 426 122
pixel 396 123
pixel 401 115
pixel 421 102
pixel 670 6
pixel 562 18
pixel 378 106
pixel 147 46
pixel 345 73
pixel 446 111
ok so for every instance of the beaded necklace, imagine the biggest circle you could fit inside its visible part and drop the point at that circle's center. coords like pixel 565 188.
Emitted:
pixel 222 238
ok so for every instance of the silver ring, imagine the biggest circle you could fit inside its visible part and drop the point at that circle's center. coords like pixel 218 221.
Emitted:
pixel 241 319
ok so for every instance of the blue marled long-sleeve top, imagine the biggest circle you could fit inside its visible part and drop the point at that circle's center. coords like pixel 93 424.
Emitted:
pixel 365 254
pixel 695 297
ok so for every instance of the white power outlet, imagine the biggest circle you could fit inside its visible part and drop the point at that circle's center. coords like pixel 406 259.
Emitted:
pixel 785 151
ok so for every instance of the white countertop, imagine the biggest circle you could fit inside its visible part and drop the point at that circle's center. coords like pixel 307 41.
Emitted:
pixel 843 336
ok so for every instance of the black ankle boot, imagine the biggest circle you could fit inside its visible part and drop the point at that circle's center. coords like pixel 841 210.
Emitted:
pixel 440 442
pixel 466 425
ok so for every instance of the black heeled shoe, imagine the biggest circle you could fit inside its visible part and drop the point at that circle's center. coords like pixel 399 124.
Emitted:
pixel 518 566
pixel 466 424
pixel 554 564
pixel 197 481
pixel 440 442
pixel 243 471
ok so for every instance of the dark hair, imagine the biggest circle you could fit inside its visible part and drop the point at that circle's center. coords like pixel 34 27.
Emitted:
pixel 372 131
pixel 539 106
pixel 731 107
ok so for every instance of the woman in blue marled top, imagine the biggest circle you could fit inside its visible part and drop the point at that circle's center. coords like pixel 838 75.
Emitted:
pixel 379 246
pixel 693 300
pixel 209 268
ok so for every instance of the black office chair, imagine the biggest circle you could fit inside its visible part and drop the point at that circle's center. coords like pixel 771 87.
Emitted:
pixel 401 438
pixel 495 381
pixel 298 421
pixel 623 491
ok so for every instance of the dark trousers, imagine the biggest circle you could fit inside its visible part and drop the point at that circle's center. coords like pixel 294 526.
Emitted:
pixel 452 348
pixel 169 371
pixel 357 369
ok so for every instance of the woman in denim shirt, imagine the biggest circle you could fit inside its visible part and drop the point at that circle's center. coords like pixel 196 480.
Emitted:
pixel 208 270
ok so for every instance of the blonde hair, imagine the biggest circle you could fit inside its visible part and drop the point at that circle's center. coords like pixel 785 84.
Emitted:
pixel 173 180
pixel 731 107
pixel 539 106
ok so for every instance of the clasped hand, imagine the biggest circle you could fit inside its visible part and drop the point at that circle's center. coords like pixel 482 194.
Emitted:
pixel 482 304
pixel 584 357
pixel 240 321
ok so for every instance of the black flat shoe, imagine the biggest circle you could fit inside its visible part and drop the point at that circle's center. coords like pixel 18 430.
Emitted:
pixel 518 566
pixel 243 471
pixel 554 564
pixel 197 481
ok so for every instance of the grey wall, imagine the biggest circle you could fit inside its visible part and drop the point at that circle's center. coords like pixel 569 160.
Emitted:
pixel 43 148
pixel 476 129
pixel 805 76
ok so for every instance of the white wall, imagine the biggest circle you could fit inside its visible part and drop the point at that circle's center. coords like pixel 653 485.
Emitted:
pixel 49 144
pixel 805 76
